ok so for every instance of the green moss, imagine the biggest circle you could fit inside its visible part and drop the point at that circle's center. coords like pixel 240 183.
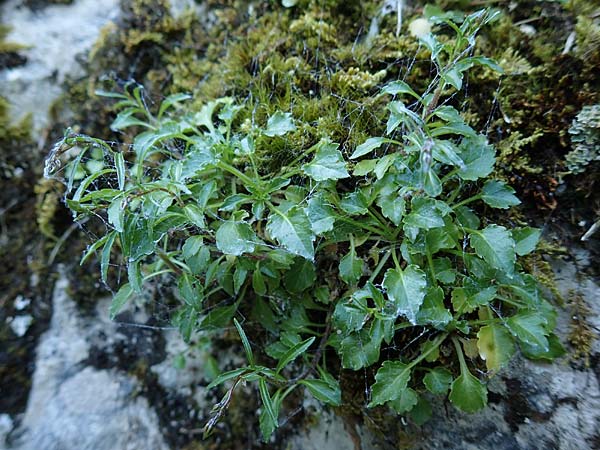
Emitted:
pixel 581 332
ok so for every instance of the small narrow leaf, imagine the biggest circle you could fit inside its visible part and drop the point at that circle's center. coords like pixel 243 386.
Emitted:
pixel 120 165
pixel 120 300
pixel 328 392
pixel 293 353
pixel 368 146
pixel 245 342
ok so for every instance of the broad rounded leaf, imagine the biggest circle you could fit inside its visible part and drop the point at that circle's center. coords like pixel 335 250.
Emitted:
pixel 405 402
pixel 498 195
pixel 478 158
pixel 236 238
pixel 406 289
pixel 496 246
pixel 390 382
pixel 293 231
pixel 328 164
pixel 438 380
pixel 279 124
pixel 526 239
pixel 496 346
pixel 468 393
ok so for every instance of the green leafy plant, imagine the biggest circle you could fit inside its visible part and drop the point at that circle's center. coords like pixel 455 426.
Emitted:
pixel 370 258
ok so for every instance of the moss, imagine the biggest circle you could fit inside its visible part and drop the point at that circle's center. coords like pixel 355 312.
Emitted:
pixel 581 333
pixel 9 51
pixel 48 193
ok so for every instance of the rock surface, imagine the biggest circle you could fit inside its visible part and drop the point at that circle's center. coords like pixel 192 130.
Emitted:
pixel 55 35
pixel 73 405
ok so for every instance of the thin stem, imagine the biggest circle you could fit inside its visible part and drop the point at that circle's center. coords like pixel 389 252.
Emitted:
pixel 380 266
pixel 232 170
pixel 467 201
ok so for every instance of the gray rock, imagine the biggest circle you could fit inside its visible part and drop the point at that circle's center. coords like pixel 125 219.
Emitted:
pixel 74 406
pixel 55 35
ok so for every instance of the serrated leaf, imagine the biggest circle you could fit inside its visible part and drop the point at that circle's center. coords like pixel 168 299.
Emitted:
pixel 393 207
pixel 526 239
pixel 496 246
pixel 355 203
pixel 496 346
pixel 406 290
pixel 467 218
pixel 320 214
pixel 447 153
pixel 530 328
pixel 425 214
pixel 293 231
pixel 328 392
pixel 279 124
pixel 498 195
pixel 301 276
pixel 433 311
pixel 468 393
pixel 438 380
pixel 555 349
pixel 328 163
pixel 350 315
pixel 405 402
pixel 236 238
pixel 478 157
pixel 391 381
pixel 120 300
pixel 362 349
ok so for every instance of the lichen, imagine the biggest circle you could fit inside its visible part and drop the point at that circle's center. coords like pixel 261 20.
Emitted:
pixel 585 138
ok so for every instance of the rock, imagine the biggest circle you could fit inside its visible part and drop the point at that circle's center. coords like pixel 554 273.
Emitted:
pixel 542 405
pixel 74 406
pixel 56 35
pixel 20 324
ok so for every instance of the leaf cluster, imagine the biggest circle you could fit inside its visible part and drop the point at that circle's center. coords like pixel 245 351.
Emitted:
pixel 339 256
